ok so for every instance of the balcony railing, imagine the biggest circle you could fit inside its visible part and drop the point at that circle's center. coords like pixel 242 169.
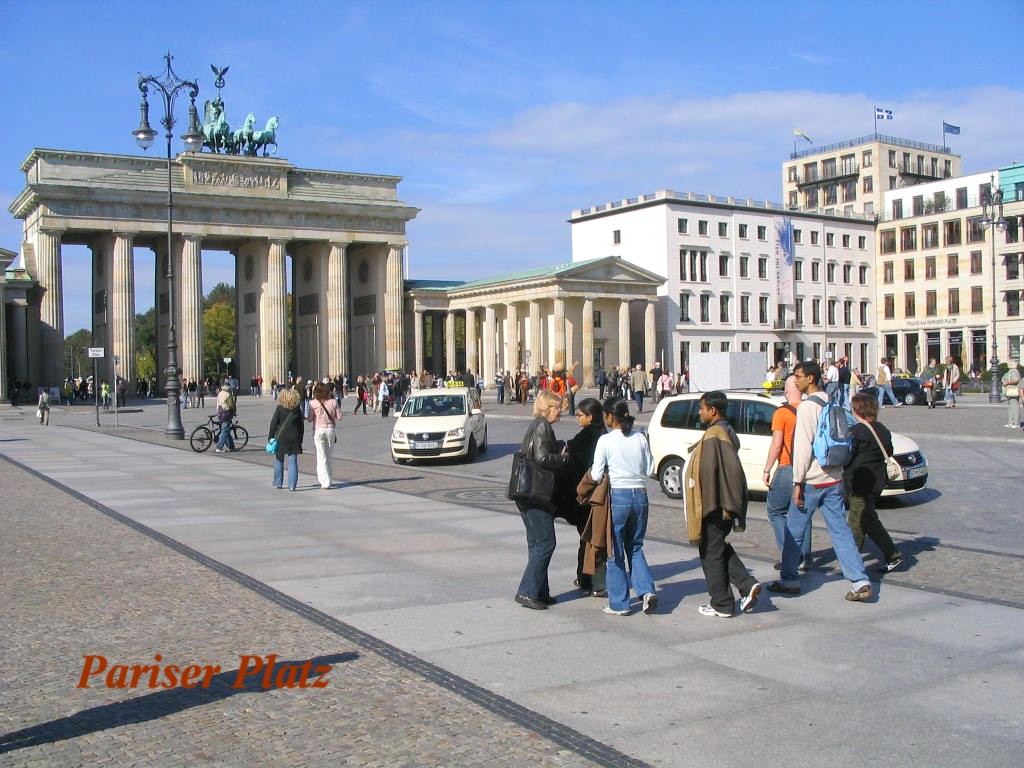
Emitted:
pixel 870 139
pixel 829 174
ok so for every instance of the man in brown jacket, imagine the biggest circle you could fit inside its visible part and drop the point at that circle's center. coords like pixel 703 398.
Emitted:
pixel 715 491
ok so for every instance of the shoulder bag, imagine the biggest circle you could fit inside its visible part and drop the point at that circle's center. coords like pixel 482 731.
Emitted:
pixel 529 483
pixel 893 470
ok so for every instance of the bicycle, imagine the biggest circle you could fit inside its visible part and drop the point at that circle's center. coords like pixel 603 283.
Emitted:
pixel 205 435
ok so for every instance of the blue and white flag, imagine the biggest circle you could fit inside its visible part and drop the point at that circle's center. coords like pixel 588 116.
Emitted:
pixel 784 258
pixel 883 114
pixel 948 128
pixel 798 134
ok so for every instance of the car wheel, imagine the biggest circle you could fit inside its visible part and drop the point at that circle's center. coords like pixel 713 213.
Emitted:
pixel 670 476
pixel 471 449
pixel 483 445
pixel 910 398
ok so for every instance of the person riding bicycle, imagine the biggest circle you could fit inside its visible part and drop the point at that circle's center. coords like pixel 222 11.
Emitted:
pixel 225 414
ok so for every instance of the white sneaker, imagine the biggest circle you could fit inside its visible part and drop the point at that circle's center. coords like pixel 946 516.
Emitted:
pixel 612 612
pixel 707 610
pixel 747 603
pixel 650 602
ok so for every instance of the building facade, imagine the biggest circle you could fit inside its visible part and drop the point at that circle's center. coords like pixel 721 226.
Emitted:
pixel 853 176
pixel 722 290
pixel 946 276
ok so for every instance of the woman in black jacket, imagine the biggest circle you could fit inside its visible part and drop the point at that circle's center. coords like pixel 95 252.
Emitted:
pixel 580 451
pixel 287 426
pixel 542 449
pixel 864 479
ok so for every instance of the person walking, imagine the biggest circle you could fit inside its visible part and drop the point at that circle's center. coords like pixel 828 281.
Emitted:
pixel 626 456
pixel 540 447
pixel 225 415
pixel 287 426
pixel 884 383
pixel 638 384
pixel 580 451
pixel 931 380
pixel 1011 391
pixel 864 479
pixel 361 394
pixel 324 414
pixel 716 504
pixel 816 487
pixel 43 408
pixel 951 381
pixel 780 486
pixel 602 382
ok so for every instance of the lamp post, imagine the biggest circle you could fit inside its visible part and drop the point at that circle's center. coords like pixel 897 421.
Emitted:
pixel 992 217
pixel 169 85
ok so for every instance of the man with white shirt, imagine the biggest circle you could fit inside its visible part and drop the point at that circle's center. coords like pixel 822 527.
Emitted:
pixel 832 381
pixel 884 384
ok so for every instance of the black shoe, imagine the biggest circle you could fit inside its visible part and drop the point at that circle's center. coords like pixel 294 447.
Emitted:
pixel 599 593
pixel 547 599
pixel 531 602
pixel 781 589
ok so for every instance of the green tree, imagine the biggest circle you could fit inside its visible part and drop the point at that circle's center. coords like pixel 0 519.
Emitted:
pixel 219 335
pixel 221 293
pixel 145 344
pixel 76 353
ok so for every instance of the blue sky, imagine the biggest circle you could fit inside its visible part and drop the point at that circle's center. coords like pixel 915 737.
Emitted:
pixel 505 117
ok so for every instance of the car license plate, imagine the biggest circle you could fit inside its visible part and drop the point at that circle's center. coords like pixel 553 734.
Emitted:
pixel 916 472
pixel 421 446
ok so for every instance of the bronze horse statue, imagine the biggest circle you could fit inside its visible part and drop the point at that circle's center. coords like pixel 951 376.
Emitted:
pixel 216 131
pixel 263 139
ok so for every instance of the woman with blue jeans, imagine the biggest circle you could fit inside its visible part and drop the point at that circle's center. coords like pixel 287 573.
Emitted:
pixel 626 456
pixel 287 426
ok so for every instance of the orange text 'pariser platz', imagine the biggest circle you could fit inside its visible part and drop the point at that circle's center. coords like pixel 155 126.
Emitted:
pixel 274 674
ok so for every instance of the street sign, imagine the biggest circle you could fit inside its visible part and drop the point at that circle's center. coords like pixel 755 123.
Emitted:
pixel 95 351
pixel 527 354
pixel 227 359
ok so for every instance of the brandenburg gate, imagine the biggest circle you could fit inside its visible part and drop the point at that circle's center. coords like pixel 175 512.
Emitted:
pixel 345 233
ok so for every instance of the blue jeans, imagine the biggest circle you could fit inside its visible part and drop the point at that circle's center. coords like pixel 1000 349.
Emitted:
pixel 629 525
pixel 830 500
pixel 540 543
pixel 638 397
pixel 293 470
pixel 225 439
pixel 780 499
pixel 886 389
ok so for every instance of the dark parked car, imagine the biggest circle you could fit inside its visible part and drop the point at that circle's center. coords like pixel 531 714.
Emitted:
pixel 907 390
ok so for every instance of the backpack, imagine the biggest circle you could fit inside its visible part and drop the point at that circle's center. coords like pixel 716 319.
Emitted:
pixel 833 445
pixel 557 386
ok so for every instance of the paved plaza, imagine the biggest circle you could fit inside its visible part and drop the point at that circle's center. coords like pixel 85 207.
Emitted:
pixel 119 544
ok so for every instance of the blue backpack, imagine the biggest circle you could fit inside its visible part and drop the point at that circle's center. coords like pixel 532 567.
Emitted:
pixel 833 445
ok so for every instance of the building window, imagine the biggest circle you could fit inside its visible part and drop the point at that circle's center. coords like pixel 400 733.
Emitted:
pixel 815 271
pixel 951 232
pixel 831 194
pixel 723 308
pixel 831 311
pixel 931 303
pixel 743 231
pixel 811 198
pixel 908 239
pixel 830 273
pixel 723 229
pixel 908 269
pixel 887 272
pixel 952 265
pixel 849 191
pixel 930 270
pixel 682 264
pixel 862 242
pixel 846 241
pixel 954 301
pixel 702 227
pixel 684 307
pixel 799 312
pixel 744 346
pixel 798 270
pixel 597 318
pixel 682 226
pixel 1013 304
pixel 830 239
pixel 703 266
pixel 1012 266
pixel 1012 231
pixel 865 158
pixel 897 209
pixel 762 232
pixel 616 237
pixel 862 274
pixel 892 182
pixel 744 266
pixel 793 199
pixel 863 313
pixel 814 237
pixel 798 236
pixel 869 184
pixel 977 299
pixel 975 262
pixel 724 346
pixel 816 311
pixel 705 308
pixel 762 267
pixel 847 273
pixel 816 346
pixel 930 236
pixel 888 240
pixel 961 198
pixel 917 202
pixel 744 309
pixel 892 158
pixel 848 312
pixel 975 232
pixel 705 346
pixel 890 306
pixel 723 265
pixel 791 174
pixel 762 310
pixel 909 305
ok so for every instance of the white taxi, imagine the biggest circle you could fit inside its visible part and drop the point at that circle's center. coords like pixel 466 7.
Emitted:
pixel 440 423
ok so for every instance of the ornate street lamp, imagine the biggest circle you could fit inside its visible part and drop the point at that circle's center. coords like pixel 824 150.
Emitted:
pixel 992 217
pixel 168 85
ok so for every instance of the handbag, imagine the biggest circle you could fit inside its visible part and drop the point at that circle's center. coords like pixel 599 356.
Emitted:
pixel 271 446
pixel 893 470
pixel 272 443
pixel 530 484
pixel 1012 390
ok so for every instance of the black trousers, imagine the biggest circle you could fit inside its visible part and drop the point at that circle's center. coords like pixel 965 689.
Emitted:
pixel 722 566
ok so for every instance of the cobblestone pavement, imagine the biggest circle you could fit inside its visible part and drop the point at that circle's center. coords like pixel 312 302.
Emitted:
pixel 77 581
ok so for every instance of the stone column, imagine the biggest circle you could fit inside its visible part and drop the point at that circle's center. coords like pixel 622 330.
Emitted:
pixel 472 357
pixel 417 341
pixel 650 345
pixel 4 373
pixel 122 307
pixel 558 355
pixel 190 321
pixel 588 343
pixel 511 337
pixel 624 362
pixel 535 359
pixel 437 336
pixel 337 310
pixel 449 342
pixel 394 327
pixel 51 307
pixel 274 315
pixel 490 337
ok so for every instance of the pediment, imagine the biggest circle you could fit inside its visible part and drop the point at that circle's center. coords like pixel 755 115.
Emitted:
pixel 610 270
